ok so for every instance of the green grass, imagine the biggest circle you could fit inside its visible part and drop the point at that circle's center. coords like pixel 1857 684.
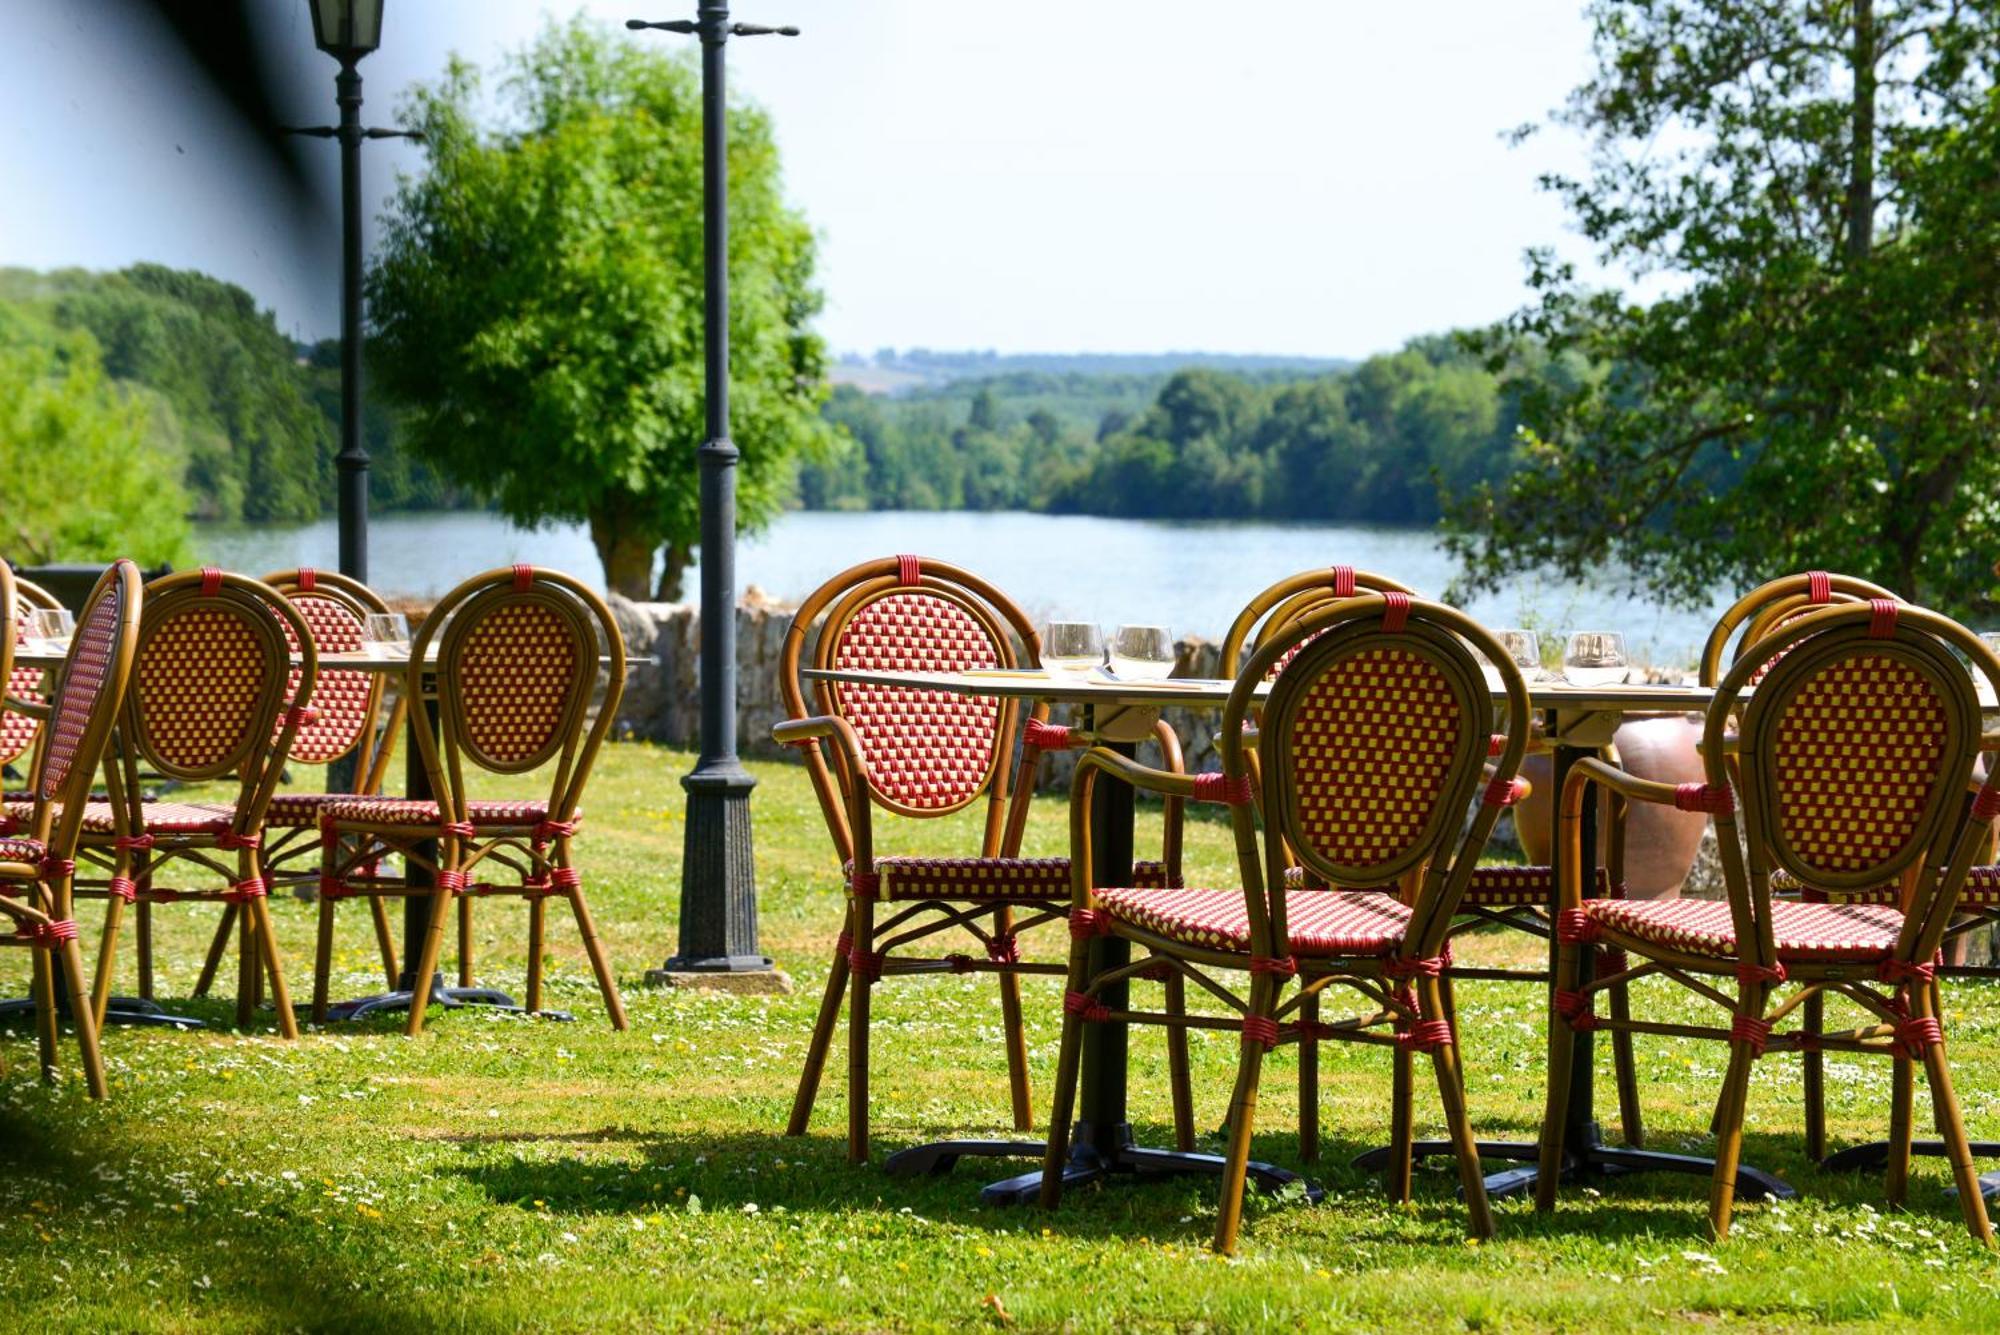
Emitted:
pixel 507 1173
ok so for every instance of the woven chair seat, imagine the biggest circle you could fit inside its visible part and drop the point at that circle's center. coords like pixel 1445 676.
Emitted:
pixel 1492 887
pixel 1801 932
pixel 1029 879
pixel 290 811
pixel 160 817
pixel 1362 922
pixel 1982 890
pixel 22 850
pixel 417 812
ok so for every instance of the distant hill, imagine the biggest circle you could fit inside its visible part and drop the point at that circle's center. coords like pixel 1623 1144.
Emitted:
pixel 890 371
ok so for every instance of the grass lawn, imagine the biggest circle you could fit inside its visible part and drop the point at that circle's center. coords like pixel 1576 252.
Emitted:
pixel 501 1172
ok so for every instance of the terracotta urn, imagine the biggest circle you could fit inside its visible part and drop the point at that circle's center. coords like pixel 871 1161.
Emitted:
pixel 1660 842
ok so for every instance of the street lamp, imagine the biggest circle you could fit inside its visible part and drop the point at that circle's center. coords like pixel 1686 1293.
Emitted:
pixel 718 922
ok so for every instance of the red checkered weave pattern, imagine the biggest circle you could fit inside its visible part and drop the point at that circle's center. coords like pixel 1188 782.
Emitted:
pixel 159 817
pixel 1981 890
pixel 1500 887
pixel 1319 924
pixel 1858 756
pixel 1801 931
pixel 414 812
pixel 1372 744
pixel 83 680
pixel 17 731
pixel 290 811
pixel 198 683
pixel 929 750
pixel 22 850
pixel 517 668
pixel 341 698
pixel 1037 879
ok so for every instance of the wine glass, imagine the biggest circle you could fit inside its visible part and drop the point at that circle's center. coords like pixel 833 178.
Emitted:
pixel 1142 653
pixel 1594 658
pixel 54 626
pixel 1072 646
pixel 386 635
pixel 1523 647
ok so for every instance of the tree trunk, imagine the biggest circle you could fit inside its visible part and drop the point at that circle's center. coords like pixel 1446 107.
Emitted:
pixel 625 553
pixel 1861 175
pixel 675 558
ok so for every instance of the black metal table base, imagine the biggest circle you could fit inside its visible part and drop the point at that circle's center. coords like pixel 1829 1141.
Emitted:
pixel 446 998
pixel 1875 1154
pixel 1087 1163
pixel 1593 1159
pixel 130 1011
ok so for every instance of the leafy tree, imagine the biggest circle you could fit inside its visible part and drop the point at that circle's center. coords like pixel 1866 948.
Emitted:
pixel 1816 182
pixel 537 299
pixel 84 477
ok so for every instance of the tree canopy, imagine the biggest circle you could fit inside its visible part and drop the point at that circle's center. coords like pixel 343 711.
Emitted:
pixel 537 298
pixel 1818 184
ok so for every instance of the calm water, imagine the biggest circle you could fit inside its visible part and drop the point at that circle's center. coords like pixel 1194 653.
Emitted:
pixel 1192 577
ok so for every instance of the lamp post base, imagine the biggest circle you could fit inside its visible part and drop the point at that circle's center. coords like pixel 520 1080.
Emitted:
pixel 718 923
pixel 746 976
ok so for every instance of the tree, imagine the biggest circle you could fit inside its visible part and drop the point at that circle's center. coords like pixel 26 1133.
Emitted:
pixel 1816 184
pixel 537 299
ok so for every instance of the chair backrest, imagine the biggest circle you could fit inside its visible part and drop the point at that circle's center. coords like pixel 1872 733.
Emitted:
pixel 1769 605
pixel 95 675
pixel 346 703
pixel 18 730
pixel 926 753
pixel 215 693
pixel 1278 607
pixel 1852 759
pixel 1375 735
pixel 516 667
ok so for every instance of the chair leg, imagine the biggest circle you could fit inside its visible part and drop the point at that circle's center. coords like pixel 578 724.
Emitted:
pixel 1951 1128
pixel 45 1012
pixel 614 1004
pixel 225 931
pixel 1812 1021
pixel 465 941
pixel 1451 1089
pixel 385 942
pixel 142 943
pixel 107 960
pixel 246 969
pixel 862 982
pixel 1242 1121
pixel 1015 1036
pixel 85 1020
pixel 1625 1070
pixel 258 910
pixel 1729 1137
pixel 1555 1116
pixel 1401 1135
pixel 537 944
pixel 822 1038
pixel 1177 1065
pixel 323 960
pixel 1068 1059
pixel 441 905
pixel 1308 1079
pixel 1896 1174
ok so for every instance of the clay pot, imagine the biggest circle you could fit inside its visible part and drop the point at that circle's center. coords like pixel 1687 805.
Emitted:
pixel 1660 842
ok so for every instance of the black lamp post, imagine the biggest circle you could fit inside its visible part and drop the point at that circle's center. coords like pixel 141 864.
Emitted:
pixel 718 920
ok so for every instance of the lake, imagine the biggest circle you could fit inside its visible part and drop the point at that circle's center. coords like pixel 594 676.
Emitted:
pixel 1190 576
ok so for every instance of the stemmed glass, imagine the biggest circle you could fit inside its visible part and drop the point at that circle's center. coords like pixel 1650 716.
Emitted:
pixel 1523 647
pixel 1595 658
pixel 386 635
pixel 54 626
pixel 1072 646
pixel 1142 653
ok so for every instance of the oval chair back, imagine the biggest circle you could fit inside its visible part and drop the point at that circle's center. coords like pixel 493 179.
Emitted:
pixel 1757 613
pixel 1851 766
pixel 1277 608
pixel 516 667
pixel 20 729
pixel 346 704
pixel 924 753
pixel 1375 735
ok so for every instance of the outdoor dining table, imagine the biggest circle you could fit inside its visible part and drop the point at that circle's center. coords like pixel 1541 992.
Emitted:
pixel 1577 720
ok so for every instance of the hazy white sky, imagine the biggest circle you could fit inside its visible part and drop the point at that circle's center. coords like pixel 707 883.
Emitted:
pixel 1319 177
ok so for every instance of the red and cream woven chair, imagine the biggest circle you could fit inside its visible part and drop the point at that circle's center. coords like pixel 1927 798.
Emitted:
pixel 922 755
pixel 214 696
pixel 1375 740
pixel 37 867
pixel 1848 765
pixel 21 729
pixel 346 720
pixel 515 669
pixel 1514 897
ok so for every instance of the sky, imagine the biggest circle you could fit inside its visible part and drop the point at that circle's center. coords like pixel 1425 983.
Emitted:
pixel 1297 177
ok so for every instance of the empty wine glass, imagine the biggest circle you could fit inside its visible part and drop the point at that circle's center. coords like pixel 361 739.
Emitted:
pixel 1072 646
pixel 1594 658
pixel 1523 647
pixel 386 635
pixel 53 626
pixel 1142 653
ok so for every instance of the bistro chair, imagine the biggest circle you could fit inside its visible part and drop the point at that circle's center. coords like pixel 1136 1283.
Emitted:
pixel 920 755
pixel 516 665
pixel 215 697
pixel 37 867
pixel 1374 741
pixel 345 720
pixel 21 729
pixel 1848 770
pixel 1514 897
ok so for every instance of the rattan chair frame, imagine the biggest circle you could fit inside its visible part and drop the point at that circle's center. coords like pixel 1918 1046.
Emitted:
pixel 848 793
pixel 1939 848
pixel 538 854
pixel 252 754
pixel 42 911
pixel 1441 859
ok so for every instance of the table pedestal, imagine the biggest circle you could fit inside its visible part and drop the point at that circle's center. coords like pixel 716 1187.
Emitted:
pixel 1862 1158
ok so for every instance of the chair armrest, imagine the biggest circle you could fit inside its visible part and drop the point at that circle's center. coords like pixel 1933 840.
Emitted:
pixel 1589 769
pixel 1167 783
pixel 794 731
pixel 857 841
pixel 28 707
